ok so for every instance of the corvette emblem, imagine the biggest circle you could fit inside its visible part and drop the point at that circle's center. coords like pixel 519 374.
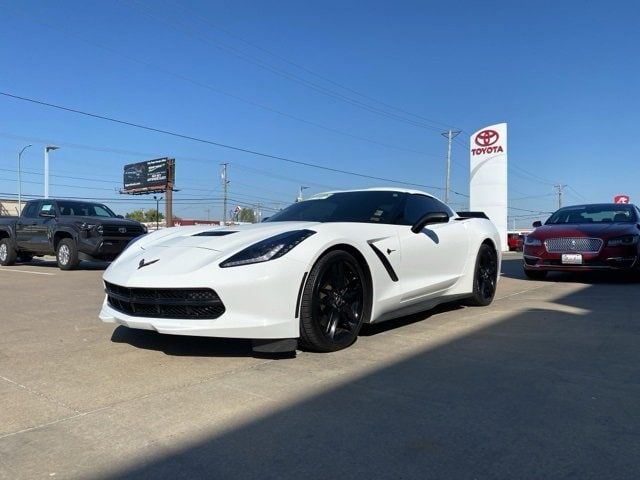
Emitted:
pixel 143 264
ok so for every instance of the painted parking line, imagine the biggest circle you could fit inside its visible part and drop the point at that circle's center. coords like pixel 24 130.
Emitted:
pixel 25 271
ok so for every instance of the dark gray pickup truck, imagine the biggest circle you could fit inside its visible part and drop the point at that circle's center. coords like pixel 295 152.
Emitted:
pixel 71 230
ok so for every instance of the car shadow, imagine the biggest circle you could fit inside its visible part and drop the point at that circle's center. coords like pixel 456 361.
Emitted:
pixel 182 345
pixel 370 329
pixel 83 265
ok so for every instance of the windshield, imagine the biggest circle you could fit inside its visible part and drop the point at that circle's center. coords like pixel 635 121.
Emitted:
pixel 83 209
pixel 607 213
pixel 361 207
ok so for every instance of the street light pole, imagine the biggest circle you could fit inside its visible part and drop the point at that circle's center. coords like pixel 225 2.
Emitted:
pixel 157 199
pixel 46 168
pixel 20 178
pixel 302 187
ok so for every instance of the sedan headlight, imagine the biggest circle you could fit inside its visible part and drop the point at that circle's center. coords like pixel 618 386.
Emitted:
pixel 623 241
pixel 532 241
pixel 269 249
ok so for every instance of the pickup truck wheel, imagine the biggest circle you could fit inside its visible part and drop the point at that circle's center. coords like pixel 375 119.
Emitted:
pixel 67 254
pixel 7 253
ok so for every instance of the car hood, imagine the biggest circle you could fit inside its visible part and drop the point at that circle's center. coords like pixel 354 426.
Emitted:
pixel 225 239
pixel 174 246
pixel 102 221
pixel 602 230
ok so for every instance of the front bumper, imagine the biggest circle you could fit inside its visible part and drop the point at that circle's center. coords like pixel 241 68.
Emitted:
pixel 259 300
pixel 102 248
pixel 608 258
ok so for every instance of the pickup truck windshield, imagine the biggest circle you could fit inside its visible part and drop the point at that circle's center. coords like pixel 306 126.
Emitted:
pixel 84 209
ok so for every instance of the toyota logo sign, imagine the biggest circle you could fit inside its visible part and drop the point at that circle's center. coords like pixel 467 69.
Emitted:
pixel 486 138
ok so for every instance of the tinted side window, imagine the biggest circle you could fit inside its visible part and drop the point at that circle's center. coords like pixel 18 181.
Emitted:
pixel 46 207
pixel 418 205
pixel 31 210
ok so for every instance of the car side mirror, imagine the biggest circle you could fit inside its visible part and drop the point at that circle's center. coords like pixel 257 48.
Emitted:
pixel 428 219
pixel 119 216
pixel 537 224
pixel 47 214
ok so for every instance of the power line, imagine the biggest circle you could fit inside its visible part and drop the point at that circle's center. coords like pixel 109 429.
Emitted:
pixel 211 142
pixel 208 86
pixel 290 76
pixel 315 74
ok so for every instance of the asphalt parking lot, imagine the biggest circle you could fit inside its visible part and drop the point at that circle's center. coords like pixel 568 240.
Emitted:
pixel 544 383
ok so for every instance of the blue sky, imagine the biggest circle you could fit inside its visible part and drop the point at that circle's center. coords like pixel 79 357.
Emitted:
pixel 564 75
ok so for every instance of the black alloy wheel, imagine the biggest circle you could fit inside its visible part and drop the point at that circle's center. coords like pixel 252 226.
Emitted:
pixel 485 278
pixel 335 302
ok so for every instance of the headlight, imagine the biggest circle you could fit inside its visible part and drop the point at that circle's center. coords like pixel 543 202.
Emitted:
pixel 625 240
pixel 532 241
pixel 144 228
pixel 269 249
pixel 85 225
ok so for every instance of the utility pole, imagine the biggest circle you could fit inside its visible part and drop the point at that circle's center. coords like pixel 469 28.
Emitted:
pixel 559 188
pixel 225 185
pixel 450 135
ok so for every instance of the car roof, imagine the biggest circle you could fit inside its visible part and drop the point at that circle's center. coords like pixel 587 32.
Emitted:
pixel 380 189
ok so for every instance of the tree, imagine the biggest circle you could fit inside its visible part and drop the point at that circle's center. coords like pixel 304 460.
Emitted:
pixel 247 215
pixel 137 215
pixel 152 215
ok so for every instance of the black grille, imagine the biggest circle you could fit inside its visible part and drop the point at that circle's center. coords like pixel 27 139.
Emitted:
pixel 122 230
pixel 179 303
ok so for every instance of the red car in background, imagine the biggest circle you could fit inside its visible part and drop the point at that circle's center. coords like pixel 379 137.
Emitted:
pixel 515 241
pixel 583 238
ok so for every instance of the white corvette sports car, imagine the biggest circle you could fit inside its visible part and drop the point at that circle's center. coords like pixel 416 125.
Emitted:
pixel 313 273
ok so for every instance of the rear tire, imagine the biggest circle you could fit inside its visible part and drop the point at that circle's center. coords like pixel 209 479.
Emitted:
pixel 7 253
pixel 67 254
pixel 535 274
pixel 485 278
pixel 336 300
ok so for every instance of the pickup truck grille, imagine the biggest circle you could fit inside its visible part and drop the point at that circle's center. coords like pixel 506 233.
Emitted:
pixel 178 303
pixel 122 230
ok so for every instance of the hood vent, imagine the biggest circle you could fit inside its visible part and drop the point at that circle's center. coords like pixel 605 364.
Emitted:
pixel 214 233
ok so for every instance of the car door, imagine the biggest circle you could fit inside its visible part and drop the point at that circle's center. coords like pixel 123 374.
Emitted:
pixel 43 225
pixel 434 258
pixel 26 226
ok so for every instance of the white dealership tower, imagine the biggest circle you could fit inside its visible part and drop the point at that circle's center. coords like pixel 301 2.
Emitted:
pixel 488 177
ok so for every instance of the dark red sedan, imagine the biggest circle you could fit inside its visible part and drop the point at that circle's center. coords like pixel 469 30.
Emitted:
pixel 584 237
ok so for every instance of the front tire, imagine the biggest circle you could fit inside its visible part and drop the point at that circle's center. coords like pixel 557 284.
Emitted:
pixel 335 302
pixel 67 254
pixel 485 277
pixel 7 253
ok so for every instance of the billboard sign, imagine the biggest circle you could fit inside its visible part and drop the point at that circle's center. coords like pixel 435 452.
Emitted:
pixel 152 175
pixel 621 199
pixel 488 176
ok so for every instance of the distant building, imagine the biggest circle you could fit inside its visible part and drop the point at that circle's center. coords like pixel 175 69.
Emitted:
pixel 10 207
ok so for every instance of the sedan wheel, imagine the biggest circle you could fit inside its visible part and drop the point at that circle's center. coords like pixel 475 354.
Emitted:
pixel 335 302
